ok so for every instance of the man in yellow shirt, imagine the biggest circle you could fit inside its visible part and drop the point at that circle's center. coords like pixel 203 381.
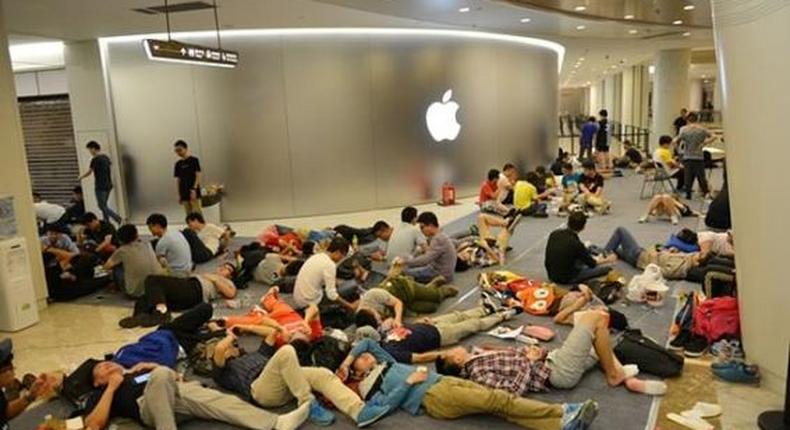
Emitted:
pixel 525 199
pixel 663 155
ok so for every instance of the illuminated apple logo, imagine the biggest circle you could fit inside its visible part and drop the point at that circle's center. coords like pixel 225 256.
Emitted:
pixel 441 120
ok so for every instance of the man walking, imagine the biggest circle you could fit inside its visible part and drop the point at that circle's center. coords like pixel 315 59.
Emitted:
pixel 102 179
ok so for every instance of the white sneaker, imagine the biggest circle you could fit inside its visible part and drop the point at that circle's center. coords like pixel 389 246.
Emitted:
pixel 674 219
pixel 643 220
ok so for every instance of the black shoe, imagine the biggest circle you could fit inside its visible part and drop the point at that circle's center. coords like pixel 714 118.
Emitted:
pixel 679 342
pixel 696 346
pixel 130 322
pixel 154 319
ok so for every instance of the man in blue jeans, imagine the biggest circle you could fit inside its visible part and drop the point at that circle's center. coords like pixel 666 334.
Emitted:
pixel 673 264
pixel 100 168
pixel 568 261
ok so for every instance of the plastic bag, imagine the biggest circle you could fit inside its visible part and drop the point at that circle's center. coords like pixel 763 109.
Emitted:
pixel 639 283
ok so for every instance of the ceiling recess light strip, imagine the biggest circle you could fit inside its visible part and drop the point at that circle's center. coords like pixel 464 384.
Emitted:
pixel 580 8
pixel 526 20
pixel 689 7
pixel 677 22
pixel 629 16
pixel 354 31
pixel 464 10
pixel 580 27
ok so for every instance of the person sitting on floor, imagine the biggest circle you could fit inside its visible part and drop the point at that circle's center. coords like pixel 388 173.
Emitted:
pixel 412 342
pixel 568 261
pixel 11 409
pixel 664 157
pixel 570 184
pixel 438 259
pixel 632 157
pixel 151 394
pixel 591 187
pixel 76 209
pixel 414 389
pixel 172 248
pixel 529 369
pixel 406 239
pixel 59 245
pixel 290 326
pixel 494 248
pixel 48 213
pixel 134 260
pixel 504 186
pixel 272 377
pixel 487 199
pixel 526 199
pixel 166 293
pixel 98 234
pixel 673 264
pixel 668 205
pixel 316 283
pixel 213 237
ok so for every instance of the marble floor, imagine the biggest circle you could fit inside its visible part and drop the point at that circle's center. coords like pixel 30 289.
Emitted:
pixel 68 333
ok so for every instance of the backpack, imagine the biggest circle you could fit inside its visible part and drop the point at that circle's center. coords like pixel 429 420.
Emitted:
pixel 536 298
pixel 159 347
pixel 329 352
pixel 717 318
pixel 635 348
pixel 201 358
pixel 607 291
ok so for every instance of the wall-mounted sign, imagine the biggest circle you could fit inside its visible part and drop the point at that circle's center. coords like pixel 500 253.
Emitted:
pixel 178 52
pixel 440 118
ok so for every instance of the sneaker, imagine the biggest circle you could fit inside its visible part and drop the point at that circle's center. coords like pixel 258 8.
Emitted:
pixel 371 413
pixel 512 222
pixel 723 364
pixel 578 416
pixel 319 415
pixel 727 350
pixel 679 342
pixel 154 319
pixel 491 304
pixel 674 219
pixel 130 322
pixel 696 346
pixel 643 219
pixel 739 372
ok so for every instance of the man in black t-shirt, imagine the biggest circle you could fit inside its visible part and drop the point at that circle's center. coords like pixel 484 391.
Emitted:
pixel 602 138
pixel 187 173
pixel 100 168
pixel 98 233
pixel 591 188
pixel 9 410
pixel 151 394
pixel 680 121
pixel 568 261
pixel 411 342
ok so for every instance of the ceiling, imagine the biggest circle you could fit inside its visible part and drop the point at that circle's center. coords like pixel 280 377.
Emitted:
pixel 598 34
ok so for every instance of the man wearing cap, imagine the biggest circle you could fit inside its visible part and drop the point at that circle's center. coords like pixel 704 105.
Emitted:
pixel 9 410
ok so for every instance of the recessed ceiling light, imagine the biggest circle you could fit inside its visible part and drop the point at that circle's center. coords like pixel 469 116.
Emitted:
pixel 580 8
pixel 689 7
pixel 687 34
pixel 464 10
pixel 581 27
pixel 704 76
pixel 629 16
pixel 633 31
pixel 581 59
pixel 677 22
pixel 525 20
pixel 589 83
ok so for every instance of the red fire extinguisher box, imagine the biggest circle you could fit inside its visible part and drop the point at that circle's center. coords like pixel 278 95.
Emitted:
pixel 448 194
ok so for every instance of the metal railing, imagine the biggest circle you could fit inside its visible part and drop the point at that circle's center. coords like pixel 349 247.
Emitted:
pixel 570 128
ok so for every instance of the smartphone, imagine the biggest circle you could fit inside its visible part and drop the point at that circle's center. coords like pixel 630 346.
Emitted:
pixel 139 379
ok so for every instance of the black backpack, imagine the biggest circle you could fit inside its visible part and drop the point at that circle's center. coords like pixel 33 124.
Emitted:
pixel 328 352
pixel 652 358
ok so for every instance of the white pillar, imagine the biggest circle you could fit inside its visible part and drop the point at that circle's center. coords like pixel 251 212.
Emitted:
pixel 92 118
pixel 670 90
pixel 628 96
pixel 609 96
pixel 596 96
pixel 751 43
pixel 14 176
pixel 717 92
pixel 695 95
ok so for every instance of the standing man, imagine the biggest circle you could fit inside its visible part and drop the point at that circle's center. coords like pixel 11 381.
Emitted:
pixel 588 133
pixel 680 121
pixel 102 180
pixel 694 138
pixel 602 141
pixel 187 173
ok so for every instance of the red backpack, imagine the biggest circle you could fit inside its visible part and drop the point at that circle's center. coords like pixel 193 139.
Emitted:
pixel 716 318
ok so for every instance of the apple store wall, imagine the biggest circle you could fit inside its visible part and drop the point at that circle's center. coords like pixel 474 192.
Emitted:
pixel 312 124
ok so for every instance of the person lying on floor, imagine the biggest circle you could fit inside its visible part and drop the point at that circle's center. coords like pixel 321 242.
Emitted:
pixel 716 244
pixel 412 342
pixel 567 260
pixel 168 293
pixel 99 234
pixel 438 259
pixel 414 297
pixel 674 265
pixel 274 312
pixel 215 238
pixel 406 239
pixel 172 248
pixel 532 369
pixel 401 386
pixel 368 241
pixel 281 239
pixel 152 395
pixel 132 262
pixel 272 377
pixel 669 206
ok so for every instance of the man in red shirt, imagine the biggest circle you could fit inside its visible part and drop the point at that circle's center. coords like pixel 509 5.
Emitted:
pixel 488 195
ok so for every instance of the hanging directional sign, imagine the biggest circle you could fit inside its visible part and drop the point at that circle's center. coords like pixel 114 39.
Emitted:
pixel 178 52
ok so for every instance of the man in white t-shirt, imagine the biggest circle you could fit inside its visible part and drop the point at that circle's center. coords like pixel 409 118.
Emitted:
pixel 720 244
pixel 46 212
pixel 316 280
pixel 215 238
pixel 507 180
pixel 406 239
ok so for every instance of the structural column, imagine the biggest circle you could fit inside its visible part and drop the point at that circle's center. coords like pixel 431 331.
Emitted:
pixel 670 90
pixel 14 176
pixel 751 44
pixel 695 95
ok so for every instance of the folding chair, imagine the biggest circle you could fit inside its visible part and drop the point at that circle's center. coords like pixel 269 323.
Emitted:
pixel 660 179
